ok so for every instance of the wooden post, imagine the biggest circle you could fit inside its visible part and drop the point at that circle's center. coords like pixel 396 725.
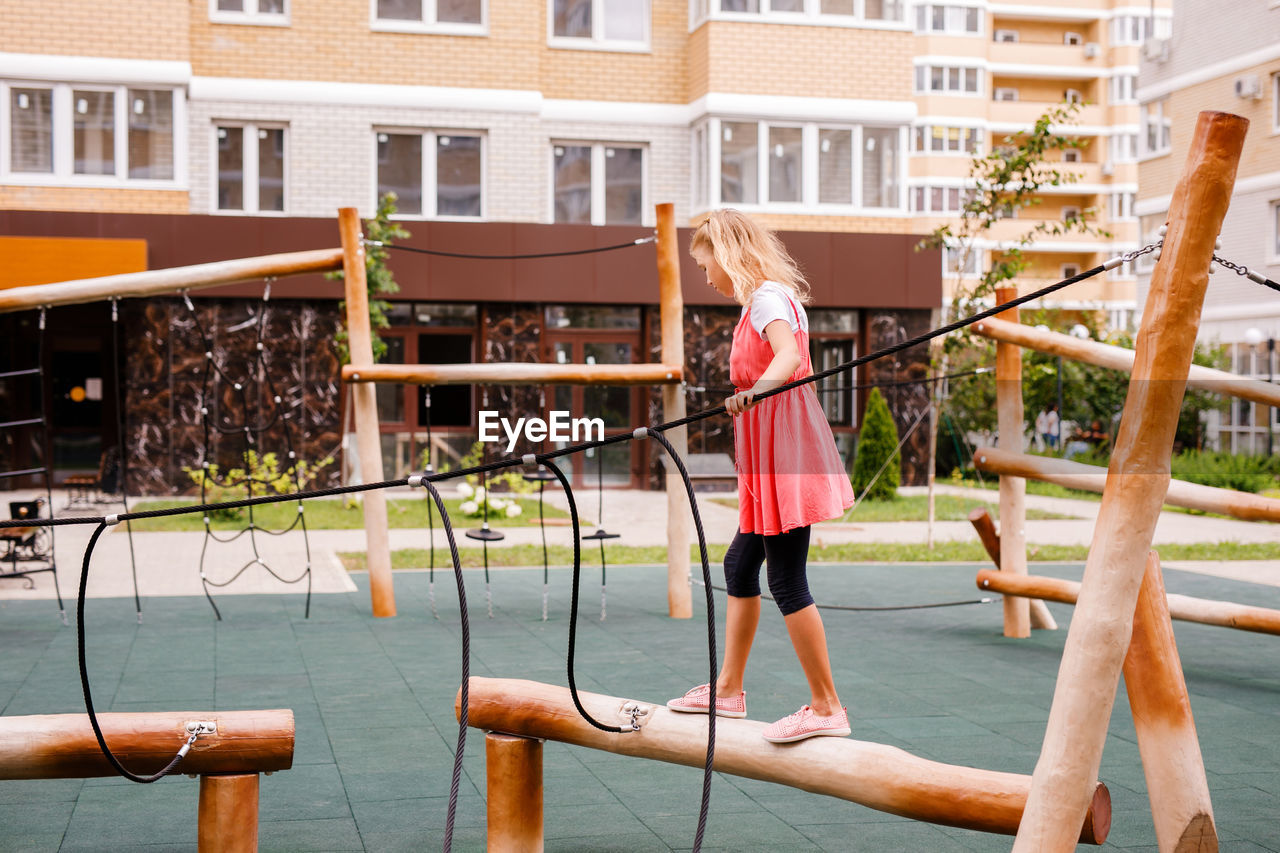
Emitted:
pixel 679 595
pixel 1041 618
pixel 1171 759
pixel 363 396
pixel 228 814
pixel 513 774
pixel 1013 490
pixel 871 774
pixel 1136 484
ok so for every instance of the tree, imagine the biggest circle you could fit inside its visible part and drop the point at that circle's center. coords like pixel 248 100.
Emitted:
pixel 379 232
pixel 877 446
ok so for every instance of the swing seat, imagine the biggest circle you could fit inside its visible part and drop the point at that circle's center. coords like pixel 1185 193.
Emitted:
pixel 484 534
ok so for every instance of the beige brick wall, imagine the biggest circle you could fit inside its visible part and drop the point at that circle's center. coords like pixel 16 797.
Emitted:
pixel 854 224
pixel 819 62
pixel 133 29
pixel 93 200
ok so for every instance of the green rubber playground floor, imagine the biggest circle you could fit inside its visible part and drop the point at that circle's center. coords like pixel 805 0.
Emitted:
pixel 374 699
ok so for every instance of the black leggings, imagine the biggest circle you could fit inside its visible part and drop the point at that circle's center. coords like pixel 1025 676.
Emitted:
pixel 786 555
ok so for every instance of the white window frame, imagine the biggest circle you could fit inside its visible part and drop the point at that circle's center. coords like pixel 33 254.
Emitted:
pixel 597 41
pixel 1068 210
pixel 810 191
pixel 1005 91
pixel 428 22
pixel 63 130
pixel 249 174
pixel 1165 128
pixel 962 71
pixel 1273 247
pixel 1070 38
pixel 972 255
pixel 250 16
pixel 1275 98
pixel 1122 206
pixel 430 187
pixel 598 186
pixel 1123 87
pixel 1071 155
pixel 1001 36
pixel 701 11
pixel 954 19
pixel 1068 271
pixel 1073 96
pixel 1125 147
pixel 965 132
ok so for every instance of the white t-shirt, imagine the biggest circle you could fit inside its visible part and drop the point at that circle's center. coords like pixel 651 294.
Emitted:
pixel 770 302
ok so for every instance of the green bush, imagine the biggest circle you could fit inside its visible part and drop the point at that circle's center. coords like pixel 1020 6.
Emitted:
pixel 1226 470
pixel 877 442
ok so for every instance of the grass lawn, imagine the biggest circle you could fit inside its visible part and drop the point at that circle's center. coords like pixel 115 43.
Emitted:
pixel 916 508
pixel 945 552
pixel 332 515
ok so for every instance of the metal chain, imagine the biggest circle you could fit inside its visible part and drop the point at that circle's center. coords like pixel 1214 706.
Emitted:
pixel 1130 257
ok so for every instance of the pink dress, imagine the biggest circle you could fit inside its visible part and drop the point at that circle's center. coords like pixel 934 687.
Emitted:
pixel 789 472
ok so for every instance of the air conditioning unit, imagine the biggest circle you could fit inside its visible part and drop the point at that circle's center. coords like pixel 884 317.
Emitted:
pixel 1155 50
pixel 1091 50
pixel 1248 86
pixel 1108 169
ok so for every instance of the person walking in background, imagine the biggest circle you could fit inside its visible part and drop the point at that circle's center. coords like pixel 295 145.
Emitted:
pixel 789 473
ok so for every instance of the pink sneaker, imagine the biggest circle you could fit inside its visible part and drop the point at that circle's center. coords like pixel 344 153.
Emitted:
pixel 805 723
pixel 696 700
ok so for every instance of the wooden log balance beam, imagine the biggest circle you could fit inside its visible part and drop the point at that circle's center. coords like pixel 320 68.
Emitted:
pixel 1185 608
pixel 172 280
pixel 874 775
pixel 228 760
pixel 516 374
pixel 1093 478
pixel 1119 358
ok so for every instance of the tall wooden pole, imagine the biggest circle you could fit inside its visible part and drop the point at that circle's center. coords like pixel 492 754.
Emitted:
pixel 1171 759
pixel 1136 483
pixel 1013 490
pixel 679 596
pixel 364 399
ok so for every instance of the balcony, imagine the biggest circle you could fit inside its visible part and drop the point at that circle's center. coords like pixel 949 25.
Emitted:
pixel 1025 113
pixel 1058 61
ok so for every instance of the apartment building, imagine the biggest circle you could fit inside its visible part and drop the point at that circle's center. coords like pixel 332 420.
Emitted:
pixel 235 127
pixel 1231 63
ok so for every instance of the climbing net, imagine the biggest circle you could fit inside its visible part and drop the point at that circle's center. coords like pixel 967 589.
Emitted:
pixel 428 481
pixel 252 390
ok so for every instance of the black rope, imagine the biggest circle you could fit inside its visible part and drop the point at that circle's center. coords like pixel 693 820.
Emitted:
pixel 637 242
pixel 466 665
pixel 84 677
pixel 727 389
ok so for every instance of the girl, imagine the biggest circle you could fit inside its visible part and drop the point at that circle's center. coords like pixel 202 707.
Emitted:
pixel 789 473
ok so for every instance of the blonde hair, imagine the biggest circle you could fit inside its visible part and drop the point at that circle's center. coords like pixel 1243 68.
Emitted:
pixel 749 253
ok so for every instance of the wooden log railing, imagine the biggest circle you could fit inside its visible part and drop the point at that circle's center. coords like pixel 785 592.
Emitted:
pixel 171 280
pixel 228 760
pixel 874 775
pixel 1093 478
pixel 516 374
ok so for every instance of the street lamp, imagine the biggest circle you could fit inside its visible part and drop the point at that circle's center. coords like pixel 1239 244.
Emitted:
pixel 1253 337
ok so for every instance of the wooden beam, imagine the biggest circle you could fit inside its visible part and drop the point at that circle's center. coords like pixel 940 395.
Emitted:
pixel 874 775
pixel 1041 618
pixel 382 591
pixel 1062 784
pixel 1013 490
pixel 679 515
pixel 513 803
pixel 1119 358
pixel 1184 608
pixel 1093 478
pixel 228 814
pixel 515 374
pixel 63 746
pixel 172 280
pixel 1171 759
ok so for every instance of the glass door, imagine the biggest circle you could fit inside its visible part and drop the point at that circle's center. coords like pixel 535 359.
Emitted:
pixel 616 406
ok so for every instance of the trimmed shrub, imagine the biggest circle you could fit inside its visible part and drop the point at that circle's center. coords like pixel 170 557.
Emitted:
pixel 877 442
pixel 1237 471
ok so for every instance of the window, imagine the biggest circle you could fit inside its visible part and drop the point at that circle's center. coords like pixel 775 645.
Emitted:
pixel 951 79
pixel 799 10
pixel 613 24
pixel 952 20
pixel 1069 270
pixel 251 168
pixel 1073 96
pixel 436 173
pixel 1130 29
pixel 68 133
pixel 928 199
pixel 959 261
pixel 1275 102
pixel 1122 205
pixel 938 139
pixel 598 184
pixel 1070 212
pixel 1007 36
pixel 1122 87
pixel 833 340
pixel 1004 93
pixel 1157 128
pixel 261 12
pixel 1071 155
pixel 1275 231
pixel 453 16
pixel 1124 147
pixel 1072 39
pixel 763 163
